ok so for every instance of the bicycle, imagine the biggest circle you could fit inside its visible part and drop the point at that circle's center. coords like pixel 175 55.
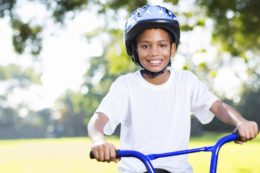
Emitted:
pixel 146 159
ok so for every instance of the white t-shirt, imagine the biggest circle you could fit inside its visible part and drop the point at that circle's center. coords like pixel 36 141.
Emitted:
pixel 156 118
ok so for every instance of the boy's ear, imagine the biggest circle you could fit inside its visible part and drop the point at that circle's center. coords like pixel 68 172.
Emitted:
pixel 173 49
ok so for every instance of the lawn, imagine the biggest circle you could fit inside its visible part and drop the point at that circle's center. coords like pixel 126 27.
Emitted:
pixel 70 155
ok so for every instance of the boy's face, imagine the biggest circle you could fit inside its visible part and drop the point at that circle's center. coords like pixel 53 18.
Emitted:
pixel 154 49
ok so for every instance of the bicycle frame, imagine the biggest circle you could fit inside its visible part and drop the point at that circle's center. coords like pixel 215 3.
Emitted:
pixel 146 159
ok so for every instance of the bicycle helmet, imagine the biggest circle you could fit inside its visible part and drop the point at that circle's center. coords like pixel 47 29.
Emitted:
pixel 146 17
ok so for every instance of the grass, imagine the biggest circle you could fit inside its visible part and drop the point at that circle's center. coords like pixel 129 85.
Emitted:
pixel 233 158
pixel 71 155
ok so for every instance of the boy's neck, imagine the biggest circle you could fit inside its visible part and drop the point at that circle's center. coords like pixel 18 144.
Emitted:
pixel 158 80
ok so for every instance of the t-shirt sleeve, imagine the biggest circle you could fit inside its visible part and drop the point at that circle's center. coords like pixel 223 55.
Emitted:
pixel 114 105
pixel 201 101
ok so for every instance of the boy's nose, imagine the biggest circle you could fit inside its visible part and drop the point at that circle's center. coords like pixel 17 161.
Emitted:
pixel 153 50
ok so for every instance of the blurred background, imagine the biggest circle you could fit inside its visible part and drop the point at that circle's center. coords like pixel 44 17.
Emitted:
pixel 59 57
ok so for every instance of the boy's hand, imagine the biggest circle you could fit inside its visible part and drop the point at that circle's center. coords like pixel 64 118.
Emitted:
pixel 104 152
pixel 247 130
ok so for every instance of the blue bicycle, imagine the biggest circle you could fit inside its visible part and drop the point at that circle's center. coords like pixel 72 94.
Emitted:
pixel 146 159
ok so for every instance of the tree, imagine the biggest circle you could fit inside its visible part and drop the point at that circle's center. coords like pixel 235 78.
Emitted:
pixel 236 24
pixel 72 108
pixel 27 39
pixel 249 105
pixel 13 78
pixel 27 35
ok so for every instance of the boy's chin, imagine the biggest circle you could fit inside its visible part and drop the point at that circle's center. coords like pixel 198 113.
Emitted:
pixel 154 69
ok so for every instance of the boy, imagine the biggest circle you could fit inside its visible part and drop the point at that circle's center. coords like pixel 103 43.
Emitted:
pixel 153 105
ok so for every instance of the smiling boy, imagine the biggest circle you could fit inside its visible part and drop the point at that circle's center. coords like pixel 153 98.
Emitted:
pixel 154 104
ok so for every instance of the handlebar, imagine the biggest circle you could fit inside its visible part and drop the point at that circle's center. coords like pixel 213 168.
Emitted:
pixel 146 159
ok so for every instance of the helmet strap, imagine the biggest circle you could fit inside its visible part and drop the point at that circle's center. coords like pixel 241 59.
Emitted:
pixel 153 74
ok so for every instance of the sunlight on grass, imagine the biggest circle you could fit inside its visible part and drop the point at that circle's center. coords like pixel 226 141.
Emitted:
pixel 233 158
pixel 71 155
pixel 67 155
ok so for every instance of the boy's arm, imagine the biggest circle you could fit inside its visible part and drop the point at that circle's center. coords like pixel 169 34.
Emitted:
pixel 247 129
pixel 102 150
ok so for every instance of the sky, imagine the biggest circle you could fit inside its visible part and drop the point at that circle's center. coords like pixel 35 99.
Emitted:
pixel 65 54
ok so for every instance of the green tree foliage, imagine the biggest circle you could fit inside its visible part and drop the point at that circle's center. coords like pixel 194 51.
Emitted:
pixel 237 23
pixel 25 35
pixel 13 76
pixel 7 117
pixel 236 30
pixel 60 8
pixel 23 76
pixel 27 39
pixel 72 107
pixel 28 35
pixel 249 105
pixel 12 125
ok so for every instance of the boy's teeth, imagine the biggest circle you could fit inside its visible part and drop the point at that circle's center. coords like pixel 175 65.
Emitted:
pixel 155 61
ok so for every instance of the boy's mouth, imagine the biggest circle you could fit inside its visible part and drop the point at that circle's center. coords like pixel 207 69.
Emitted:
pixel 157 62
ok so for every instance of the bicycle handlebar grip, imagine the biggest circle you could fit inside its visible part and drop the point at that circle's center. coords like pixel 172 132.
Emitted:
pixel 91 155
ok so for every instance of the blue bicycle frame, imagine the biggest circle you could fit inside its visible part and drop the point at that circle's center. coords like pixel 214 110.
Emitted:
pixel 146 159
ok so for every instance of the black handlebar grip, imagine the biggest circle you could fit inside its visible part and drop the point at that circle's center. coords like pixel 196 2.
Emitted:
pixel 91 155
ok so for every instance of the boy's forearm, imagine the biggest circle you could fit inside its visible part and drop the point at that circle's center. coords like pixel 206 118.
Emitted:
pixel 226 113
pixel 96 127
pixel 236 116
pixel 102 150
pixel 247 130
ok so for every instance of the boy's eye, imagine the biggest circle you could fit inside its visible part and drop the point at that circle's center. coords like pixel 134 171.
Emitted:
pixel 163 45
pixel 144 46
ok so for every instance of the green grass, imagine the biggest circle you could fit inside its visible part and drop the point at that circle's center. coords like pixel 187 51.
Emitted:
pixel 71 155
pixel 233 158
